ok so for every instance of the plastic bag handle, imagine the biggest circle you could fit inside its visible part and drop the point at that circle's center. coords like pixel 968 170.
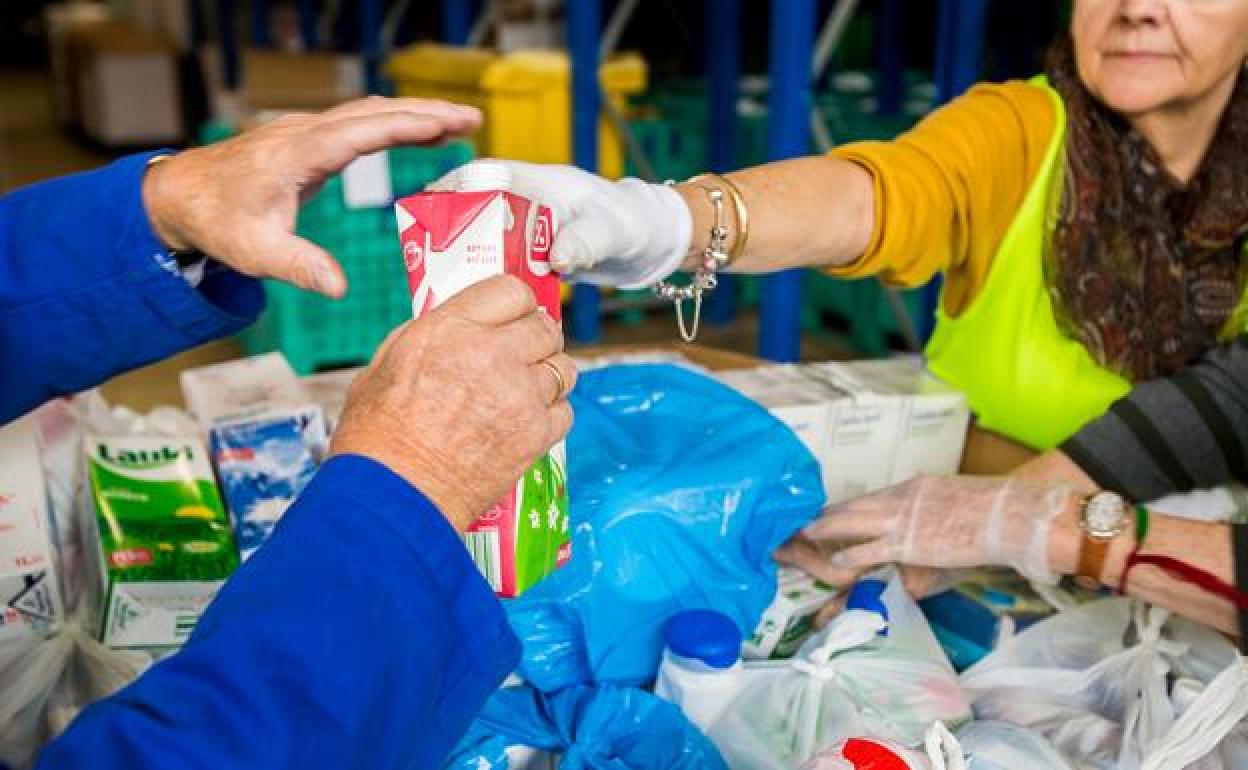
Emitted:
pixel 944 752
pixel 1204 724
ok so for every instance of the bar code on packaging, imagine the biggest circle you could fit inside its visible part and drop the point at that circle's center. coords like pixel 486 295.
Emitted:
pixel 486 551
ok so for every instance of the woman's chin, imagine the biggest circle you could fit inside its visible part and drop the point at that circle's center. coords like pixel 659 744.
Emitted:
pixel 1134 97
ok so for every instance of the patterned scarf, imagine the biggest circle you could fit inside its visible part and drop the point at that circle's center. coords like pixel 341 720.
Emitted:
pixel 1144 271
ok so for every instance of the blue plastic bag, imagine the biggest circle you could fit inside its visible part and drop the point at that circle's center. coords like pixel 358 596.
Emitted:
pixel 681 489
pixel 599 727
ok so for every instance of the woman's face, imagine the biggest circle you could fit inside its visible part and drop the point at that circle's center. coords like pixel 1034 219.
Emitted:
pixel 1137 56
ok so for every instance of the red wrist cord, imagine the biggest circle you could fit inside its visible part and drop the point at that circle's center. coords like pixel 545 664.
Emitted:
pixel 1186 572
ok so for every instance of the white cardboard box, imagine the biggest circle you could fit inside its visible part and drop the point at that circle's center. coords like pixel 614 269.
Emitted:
pixel 126 82
pixel 240 386
pixel 29 594
pixel 930 418
pixel 870 423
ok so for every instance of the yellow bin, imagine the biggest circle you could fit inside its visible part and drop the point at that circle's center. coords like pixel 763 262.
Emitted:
pixel 526 98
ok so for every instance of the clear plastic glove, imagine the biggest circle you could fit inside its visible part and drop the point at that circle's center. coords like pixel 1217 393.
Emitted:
pixel 956 521
pixel 812 558
pixel 629 233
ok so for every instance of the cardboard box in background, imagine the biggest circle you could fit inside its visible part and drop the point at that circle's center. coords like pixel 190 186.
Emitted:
pixel 171 19
pixel 126 84
pixel 29 595
pixel 312 81
pixel 895 421
pixel 870 424
pixel 61 20
pixel 282 82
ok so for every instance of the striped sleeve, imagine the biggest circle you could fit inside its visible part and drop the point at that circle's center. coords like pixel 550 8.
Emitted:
pixel 1186 432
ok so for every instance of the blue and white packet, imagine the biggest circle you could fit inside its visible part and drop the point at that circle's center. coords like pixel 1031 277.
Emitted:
pixel 264 460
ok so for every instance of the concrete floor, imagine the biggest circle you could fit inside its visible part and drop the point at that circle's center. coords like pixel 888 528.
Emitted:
pixel 33 147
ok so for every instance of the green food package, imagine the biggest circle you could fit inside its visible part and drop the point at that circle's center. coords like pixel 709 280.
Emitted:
pixel 525 537
pixel 165 544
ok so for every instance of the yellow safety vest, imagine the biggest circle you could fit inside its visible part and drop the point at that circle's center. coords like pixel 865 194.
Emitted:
pixel 1024 378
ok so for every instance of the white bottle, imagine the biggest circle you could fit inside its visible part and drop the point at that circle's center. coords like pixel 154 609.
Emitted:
pixel 701 670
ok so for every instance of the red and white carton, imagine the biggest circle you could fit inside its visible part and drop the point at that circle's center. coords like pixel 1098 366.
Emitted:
pixel 29 595
pixel 450 241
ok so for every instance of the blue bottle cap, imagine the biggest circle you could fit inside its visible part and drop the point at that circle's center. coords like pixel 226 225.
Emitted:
pixel 999 598
pixel 868 594
pixel 705 635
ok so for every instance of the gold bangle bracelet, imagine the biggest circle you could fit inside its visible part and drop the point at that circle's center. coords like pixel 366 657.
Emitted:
pixel 742 239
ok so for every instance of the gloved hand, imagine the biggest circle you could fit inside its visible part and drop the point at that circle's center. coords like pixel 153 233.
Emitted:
pixel 812 558
pixel 629 233
pixel 930 521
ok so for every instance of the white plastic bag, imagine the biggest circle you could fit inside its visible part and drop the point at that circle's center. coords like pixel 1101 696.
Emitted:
pixel 45 680
pixel 1001 746
pixel 31 667
pixel 846 681
pixel 1096 682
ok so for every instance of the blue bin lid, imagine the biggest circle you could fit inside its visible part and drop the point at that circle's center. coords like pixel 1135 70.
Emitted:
pixel 705 635
pixel 868 594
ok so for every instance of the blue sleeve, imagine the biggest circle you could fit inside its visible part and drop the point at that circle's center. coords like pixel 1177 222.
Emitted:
pixel 360 636
pixel 83 295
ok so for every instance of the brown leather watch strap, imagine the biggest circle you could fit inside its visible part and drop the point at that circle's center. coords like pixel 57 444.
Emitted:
pixel 1092 554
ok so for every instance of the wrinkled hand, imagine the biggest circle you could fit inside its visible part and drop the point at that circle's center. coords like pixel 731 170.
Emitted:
pixel 628 233
pixel 458 403
pixel 236 200
pixel 812 558
pixel 956 521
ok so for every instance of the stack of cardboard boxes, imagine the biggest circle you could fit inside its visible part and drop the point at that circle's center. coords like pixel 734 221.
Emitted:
pixel 870 423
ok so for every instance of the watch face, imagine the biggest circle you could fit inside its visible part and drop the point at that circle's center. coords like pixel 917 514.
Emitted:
pixel 1103 514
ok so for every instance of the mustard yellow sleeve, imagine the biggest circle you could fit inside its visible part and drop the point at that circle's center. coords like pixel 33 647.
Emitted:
pixel 947 190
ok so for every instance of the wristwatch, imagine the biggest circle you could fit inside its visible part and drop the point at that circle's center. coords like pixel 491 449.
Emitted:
pixel 1102 517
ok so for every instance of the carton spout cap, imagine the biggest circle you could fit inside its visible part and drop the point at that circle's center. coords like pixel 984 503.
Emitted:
pixel 484 176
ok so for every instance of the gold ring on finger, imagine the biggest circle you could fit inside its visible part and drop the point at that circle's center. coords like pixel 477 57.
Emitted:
pixel 561 385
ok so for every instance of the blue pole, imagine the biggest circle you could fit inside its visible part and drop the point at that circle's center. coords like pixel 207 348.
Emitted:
pixel 261 33
pixel 959 50
pixel 888 33
pixel 308 26
pixel 723 69
pixel 584 20
pixel 457 20
pixel 959 46
pixel 370 44
pixel 230 66
pixel 788 135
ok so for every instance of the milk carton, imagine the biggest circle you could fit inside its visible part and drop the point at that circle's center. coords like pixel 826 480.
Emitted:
pixel 450 241
pixel 164 543
pixel 264 461
pixel 791 617
pixel 791 399
pixel 245 385
pixel 29 595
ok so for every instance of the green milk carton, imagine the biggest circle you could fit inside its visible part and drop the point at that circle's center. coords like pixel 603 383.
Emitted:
pixel 164 545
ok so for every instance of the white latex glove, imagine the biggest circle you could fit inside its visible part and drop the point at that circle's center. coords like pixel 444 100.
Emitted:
pixel 629 233
pixel 955 521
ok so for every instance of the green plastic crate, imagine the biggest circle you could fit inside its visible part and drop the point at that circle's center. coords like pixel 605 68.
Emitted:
pixel 317 333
